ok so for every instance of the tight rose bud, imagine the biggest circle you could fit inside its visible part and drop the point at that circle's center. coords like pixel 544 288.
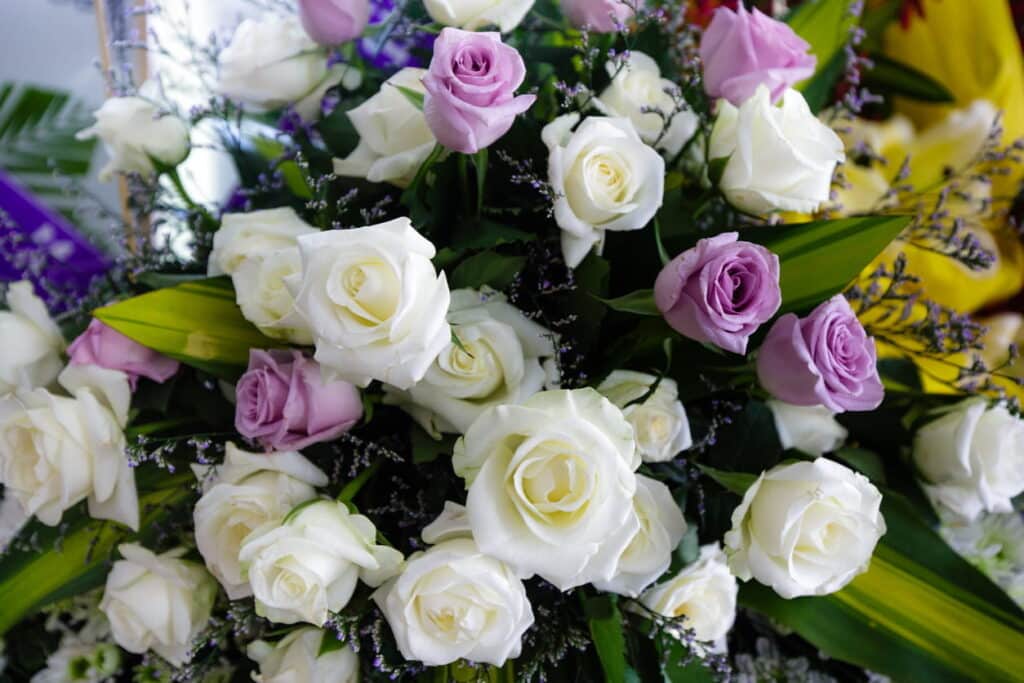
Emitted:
pixel 720 291
pixel 333 22
pixel 824 359
pixel 104 346
pixel 600 16
pixel 284 403
pixel 742 50
pixel 471 84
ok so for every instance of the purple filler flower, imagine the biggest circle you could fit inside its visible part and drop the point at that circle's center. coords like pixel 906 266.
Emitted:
pixel 824 359
pixel 720 291
pixel 284 403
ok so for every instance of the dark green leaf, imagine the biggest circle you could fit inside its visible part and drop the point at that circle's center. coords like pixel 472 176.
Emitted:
pixel 640 302
pixel 487 268
pixel 414 97
pixel 736 482
pixel 825 25
pixel 888 77
pixel 716 167
pixel 605 623
pixel 864 461
pixel 155 280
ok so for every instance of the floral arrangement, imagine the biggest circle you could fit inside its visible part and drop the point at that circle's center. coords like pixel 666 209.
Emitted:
pixel 590 340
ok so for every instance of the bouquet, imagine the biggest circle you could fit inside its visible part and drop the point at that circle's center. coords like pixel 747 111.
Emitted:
pixel 535 341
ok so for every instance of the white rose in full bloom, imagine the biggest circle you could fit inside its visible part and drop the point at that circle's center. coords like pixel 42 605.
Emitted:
pixel 660 424
pixel 271 63
pixel 472 15
pixel 498 360
pixel 972 458
pixel 805 528
pixel 637 85
pixel 551 485
pixel 374 302
pixel 606 178
pixel 296 658
pixel 308 566
pixel 779 157
pixel 249 492
pixel 649 552
pixel 703 592
pixel 259 250
pixel 454 602
pixel 32 342
pixel 811 429
pixel 157 602
pixel 136 134
pixel 394 138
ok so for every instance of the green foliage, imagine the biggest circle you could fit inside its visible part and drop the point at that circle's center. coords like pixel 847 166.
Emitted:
pixel 605 623
pixel 891 78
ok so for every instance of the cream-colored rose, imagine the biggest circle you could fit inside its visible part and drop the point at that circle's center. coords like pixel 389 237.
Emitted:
pixel 297 658
pixel 374 303
pixel 249 492
pixel 32 342
pixel 136 134
pixel 394 139
pixel 551 485
pixel 605 177
pixel 703 592
pixel 639 93
pixel 497 360
pixel 157 602
pixel 659 422
pixel 308 566
pixel 972 458
pixel 805 528
pixel 472 15
pixel 811 429
pixel 649 552
pixel 778 157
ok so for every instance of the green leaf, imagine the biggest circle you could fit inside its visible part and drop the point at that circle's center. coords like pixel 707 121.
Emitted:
pixel 605 623
pixel 427 449
pixel 680 666
pixel 198 323
pixel 825 25
pixel 272 150
pixel 640 302
pixel 155 280
pixel 487 268
pixel 889 77
pixel 716 167
pixel 414 97
pixel 736 482
pixel 864 461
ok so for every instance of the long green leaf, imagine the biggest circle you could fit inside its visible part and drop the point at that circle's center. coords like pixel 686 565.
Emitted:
pixel 888 77
pixel 198 323
pixel 825 24
pixel 605 623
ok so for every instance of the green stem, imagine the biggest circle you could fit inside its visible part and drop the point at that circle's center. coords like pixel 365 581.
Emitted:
pixel 353 487
pixel 159 426
pixel 180 187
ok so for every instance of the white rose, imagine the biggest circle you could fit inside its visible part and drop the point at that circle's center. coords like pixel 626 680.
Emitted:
pixel 811 429
pixel 297 657
pixel 394 139
pixel 32 342
pixel 779 157
pixel 972 458
pixel 249 492
pixel 475 14
pixel 551 485
pixel 454 602
pixel 136 134
pixel 271 63
pixel 703 592
pixel 636 90
pixel 605 177
pixel 659 422
pixel 308 566
pixel 157 602
pixel 805 528
pixel 374 302
pixel 649 552
pixel 497 361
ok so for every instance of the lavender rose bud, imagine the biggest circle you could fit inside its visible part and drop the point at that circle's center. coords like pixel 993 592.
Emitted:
pixel 742 50
pixel 470 100
pixel 104 346
pixel 824 359
pixel 284 403
pixel 333 22
pixel 720 291
pixel 600 16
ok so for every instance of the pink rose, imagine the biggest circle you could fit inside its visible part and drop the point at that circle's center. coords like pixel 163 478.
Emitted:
pixel 720 291
pixel 742 50
pixel 824 359
pixel 104 346
pixel 333 22
pixel 471 83
pixel 284 403
pixel 600 16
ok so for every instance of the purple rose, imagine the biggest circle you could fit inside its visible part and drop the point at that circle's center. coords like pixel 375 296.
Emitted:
pixel 471 83
pixel 720 291
pixel 743 49
pixel 600 16
pixel 284 403
pixel 104 346
pixel 824 359
pixel 333 22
